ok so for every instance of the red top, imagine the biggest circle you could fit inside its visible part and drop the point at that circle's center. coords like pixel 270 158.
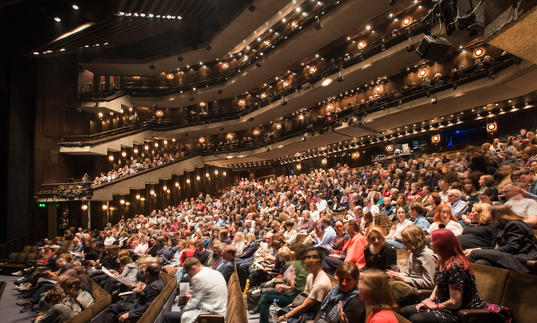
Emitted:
pixel 187 253
pixel 384 316
pixel 355 250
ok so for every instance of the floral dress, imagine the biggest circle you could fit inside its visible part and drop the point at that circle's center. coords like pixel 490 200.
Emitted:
pixel 463 280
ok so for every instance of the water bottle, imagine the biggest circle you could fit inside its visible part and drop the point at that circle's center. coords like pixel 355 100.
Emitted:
pixel 273 311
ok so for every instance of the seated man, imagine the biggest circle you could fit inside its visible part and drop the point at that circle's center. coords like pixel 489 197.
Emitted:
pixel 146 294
pixel 227 265
pixel 209 293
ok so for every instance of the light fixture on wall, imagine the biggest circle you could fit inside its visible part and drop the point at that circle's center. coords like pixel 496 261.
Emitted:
pixel 355 155
pixel 492 127
pixel 389 148
pixel 324 161
pixel 435 139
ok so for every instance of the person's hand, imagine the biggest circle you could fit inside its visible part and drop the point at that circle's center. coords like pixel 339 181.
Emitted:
pixel 394 275
pixel 342 317
pixel 282 318
pixel 421 306
pixel 467 252
pixel 280 287
pixel 123 317
pixel 114 272
pixel 430 304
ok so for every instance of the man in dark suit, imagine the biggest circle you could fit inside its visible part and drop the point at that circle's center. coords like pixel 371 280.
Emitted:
pixel 201 253
pixel 121 311
pixel 227 265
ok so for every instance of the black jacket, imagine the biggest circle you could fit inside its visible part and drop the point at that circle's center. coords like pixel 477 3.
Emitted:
pixel 146 297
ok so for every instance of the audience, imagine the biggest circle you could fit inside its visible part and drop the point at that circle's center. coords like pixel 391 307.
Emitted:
pixel 516 243
pixel 256 227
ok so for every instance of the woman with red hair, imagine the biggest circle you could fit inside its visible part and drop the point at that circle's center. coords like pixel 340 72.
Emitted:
pixel 454 280
pixel 443 219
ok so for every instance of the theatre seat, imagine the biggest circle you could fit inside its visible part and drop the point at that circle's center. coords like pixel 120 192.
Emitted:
pixel 503 287
pixel 236 308
pixel 101 300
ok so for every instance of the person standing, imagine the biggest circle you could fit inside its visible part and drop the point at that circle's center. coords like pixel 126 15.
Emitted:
pixel 63 223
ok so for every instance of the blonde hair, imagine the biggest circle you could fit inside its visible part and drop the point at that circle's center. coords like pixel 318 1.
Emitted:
pixel 483 209
pixel 415 237
pixel 250 237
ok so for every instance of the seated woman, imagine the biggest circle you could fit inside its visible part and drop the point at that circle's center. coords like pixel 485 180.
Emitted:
pixel 377 253
pixel 480 232
pixel 375 292
pixel 401 222
pixel 317 286
pixel 352 251
pixel 345 293
pixel 454 280
pixel 515 240
pixel 127 276
pixel 443 219
pixel 420 268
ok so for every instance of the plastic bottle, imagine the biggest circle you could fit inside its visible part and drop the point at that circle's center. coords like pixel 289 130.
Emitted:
pixel 273 311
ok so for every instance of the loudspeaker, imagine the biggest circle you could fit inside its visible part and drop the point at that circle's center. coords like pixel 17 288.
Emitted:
pixel 434 48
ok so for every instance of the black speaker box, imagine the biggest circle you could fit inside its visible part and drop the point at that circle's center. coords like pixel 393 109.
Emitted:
pixel 434 48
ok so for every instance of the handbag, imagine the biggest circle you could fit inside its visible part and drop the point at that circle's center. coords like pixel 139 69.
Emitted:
pixel 299 299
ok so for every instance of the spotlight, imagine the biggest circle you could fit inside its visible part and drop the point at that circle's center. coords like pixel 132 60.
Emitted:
pixel 434 100
pixel 492 127
pixel 57 19
pixel 75 7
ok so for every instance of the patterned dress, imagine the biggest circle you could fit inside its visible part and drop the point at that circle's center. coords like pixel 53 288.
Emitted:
pixel 463 280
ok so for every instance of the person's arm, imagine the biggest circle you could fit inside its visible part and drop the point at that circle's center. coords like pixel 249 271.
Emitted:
pixel 304 307
pixel 453 303
pixel 515 238
pixel 427 275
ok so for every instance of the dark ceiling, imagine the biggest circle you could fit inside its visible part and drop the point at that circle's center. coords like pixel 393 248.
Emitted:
pixel 121 29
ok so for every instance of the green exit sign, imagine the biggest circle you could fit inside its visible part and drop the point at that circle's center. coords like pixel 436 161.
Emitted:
pixel 42 205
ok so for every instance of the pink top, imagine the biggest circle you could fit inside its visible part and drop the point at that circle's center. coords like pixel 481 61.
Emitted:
pixel 384 316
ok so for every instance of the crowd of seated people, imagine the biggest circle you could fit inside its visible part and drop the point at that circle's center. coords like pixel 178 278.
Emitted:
pixel 138 164
pixel 288 236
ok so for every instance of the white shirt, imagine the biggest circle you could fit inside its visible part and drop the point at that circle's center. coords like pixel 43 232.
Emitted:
pixel 451 226
pixel 141 249
pixel 396 230
pixel 109 241
pixel 209 295
pixel 523 207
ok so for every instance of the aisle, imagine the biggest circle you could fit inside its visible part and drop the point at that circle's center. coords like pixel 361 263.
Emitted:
pixel 9 310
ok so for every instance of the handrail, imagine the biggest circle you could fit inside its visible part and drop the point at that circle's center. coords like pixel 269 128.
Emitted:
pixel 166 125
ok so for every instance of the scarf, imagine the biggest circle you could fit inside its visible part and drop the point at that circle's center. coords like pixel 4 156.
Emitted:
pixel 329 306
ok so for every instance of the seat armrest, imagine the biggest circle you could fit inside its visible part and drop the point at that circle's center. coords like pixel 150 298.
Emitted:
pixel 210 318
pixel 476 315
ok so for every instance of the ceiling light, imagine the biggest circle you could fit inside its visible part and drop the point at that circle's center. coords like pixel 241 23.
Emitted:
pixel 75 6
pixel 368 27
pixel 36 53
pixel 74 31
pixel 57 19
